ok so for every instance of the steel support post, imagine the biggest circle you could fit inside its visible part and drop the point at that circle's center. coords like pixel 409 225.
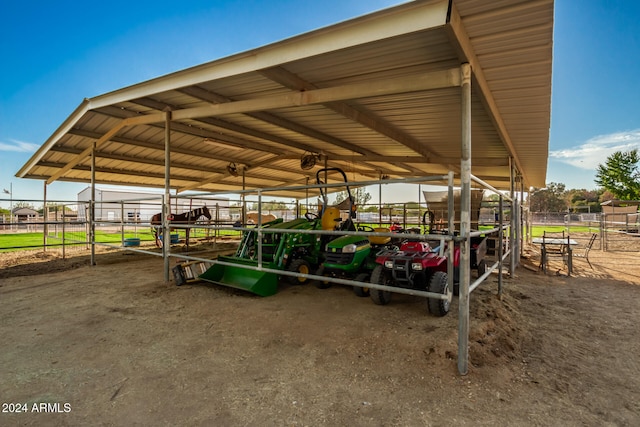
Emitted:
pixel 500 243
pixel 45 211
pixel 451 208
pixel 514 220
pixel 465 222
pixel 259 228
pixel 92 206
pixel 166 203
pixel 523 233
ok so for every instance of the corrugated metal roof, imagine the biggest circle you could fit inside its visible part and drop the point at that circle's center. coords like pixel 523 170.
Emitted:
pixel 359 93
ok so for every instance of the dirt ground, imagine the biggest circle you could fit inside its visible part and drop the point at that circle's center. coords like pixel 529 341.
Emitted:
pixel 112 344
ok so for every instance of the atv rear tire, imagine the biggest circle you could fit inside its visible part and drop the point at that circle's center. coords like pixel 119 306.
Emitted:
pixel 439 284
pixel 379 276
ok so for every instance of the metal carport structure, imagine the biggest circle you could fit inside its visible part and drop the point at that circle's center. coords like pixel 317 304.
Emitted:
pixel 406 91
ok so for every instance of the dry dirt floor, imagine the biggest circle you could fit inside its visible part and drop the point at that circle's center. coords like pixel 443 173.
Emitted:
pixel 113 344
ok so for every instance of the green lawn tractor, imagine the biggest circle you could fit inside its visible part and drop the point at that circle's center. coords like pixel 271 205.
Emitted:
pixel 353 257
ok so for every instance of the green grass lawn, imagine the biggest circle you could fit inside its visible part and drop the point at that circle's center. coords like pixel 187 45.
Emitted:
pixel 35 240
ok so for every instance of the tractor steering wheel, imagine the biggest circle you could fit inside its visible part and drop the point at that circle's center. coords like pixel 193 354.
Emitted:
pixel 366 228
pixel 310 216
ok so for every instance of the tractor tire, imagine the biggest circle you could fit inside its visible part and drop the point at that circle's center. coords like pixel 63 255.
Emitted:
pixel 379 276
pixel 359 290
pixel 321 284
pixel 439 284
pixel 298 266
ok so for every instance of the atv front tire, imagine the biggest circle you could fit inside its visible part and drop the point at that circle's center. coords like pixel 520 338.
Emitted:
pixel 379 276
pixel 439 284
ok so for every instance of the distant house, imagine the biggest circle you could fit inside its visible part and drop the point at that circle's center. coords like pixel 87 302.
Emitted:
pixel 24 215
pixel 113 205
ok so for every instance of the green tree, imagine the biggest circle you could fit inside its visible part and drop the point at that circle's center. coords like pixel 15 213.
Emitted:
pixel 583 200
pixel 23 205
pixel 549 199
pixel 620 174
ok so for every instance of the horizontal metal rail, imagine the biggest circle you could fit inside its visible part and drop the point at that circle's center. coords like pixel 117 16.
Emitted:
pixel 482 278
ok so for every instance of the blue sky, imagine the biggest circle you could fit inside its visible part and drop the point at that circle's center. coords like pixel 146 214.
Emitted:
pixel 57 53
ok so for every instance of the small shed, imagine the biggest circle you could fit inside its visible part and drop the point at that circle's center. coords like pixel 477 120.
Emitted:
pixel 621 212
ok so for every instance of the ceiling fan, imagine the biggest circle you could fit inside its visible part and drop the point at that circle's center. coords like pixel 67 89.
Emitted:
pixel 308 161
pixel 232 169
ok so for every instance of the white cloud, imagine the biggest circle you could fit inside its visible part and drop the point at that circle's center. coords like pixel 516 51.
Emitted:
pixel 596 150
pixel 18 146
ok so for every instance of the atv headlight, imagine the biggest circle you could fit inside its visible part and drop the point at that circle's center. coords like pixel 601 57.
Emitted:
pixel 416 266
pixel 388 263
pixel 349 249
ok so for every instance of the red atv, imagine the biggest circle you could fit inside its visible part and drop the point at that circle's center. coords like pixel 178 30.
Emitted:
pixel 415 266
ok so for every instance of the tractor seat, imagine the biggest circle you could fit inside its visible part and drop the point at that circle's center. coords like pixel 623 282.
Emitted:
pixel 380 240
pixel 330 218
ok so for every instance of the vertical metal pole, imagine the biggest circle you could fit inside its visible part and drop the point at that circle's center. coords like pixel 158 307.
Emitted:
pixel 380 202
pixel 92 206
pixel 465 223
pixel 419 198
pixel 122 222
pixel 244 201
pixel 522 218
pixel 260 229
pixel 64 246
pixel 166 203
pixel 45 211
pixel 451 230
pixel 514 218
pixel 217 219
pixel 500 243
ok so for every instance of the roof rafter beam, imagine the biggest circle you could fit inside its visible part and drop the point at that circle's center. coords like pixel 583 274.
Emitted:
pixel 127 172
pixel 421 82
pixel 366 119
pixel 196 131
pixel 145 161
pixel 275 120
pixel 151 145
pixel 212 121
pixel 212 97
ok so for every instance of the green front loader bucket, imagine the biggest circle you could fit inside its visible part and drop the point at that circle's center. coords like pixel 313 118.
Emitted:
pixel 257 282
